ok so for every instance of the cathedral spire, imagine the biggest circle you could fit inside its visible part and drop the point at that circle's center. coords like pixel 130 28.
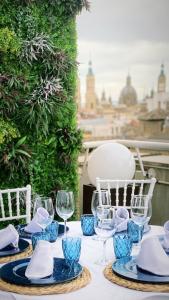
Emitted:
pixel 128 80
pixel 162 80
pixel 90 70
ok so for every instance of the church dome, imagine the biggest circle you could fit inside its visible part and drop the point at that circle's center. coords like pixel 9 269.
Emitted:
pixel 128 95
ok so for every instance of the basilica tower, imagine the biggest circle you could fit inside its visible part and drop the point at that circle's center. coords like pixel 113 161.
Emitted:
pixel 90 97
pixel 161 88
pixel 128 95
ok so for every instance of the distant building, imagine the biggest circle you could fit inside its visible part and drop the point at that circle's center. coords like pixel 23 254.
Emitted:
pixel 90 97
pixel 159 99
pixel 128 95
pixel 154 124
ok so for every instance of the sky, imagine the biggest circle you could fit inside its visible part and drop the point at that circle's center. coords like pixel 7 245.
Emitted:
pixel 121 37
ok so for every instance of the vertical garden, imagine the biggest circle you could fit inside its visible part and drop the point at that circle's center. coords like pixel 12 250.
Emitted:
pixel 39 140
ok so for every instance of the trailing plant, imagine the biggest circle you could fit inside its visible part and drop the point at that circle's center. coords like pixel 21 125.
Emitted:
pixel 36 47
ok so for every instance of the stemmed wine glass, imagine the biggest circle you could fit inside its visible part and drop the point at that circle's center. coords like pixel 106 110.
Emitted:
pixel 99 197
pixel 104 227
pixel 141 211
pixel 43 209
pixel 65 205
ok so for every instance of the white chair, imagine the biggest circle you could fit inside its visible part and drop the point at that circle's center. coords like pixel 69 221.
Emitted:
pixel 137 187
pixel 12 202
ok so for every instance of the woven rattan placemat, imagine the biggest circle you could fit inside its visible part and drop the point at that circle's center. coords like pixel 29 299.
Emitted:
pixel 145 287
pixel 23 254
pixel 67 287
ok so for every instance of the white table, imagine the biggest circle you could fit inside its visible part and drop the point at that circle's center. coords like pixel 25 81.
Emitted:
pixel 99 288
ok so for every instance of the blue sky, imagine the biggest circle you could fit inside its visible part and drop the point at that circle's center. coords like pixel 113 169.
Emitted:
pixel 122 36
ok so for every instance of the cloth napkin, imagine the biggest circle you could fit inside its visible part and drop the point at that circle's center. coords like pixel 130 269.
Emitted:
pixel 121 219
pixel 9 235
pixel 41 263
pixel 166 236
pixel 152 257
pixel 40 215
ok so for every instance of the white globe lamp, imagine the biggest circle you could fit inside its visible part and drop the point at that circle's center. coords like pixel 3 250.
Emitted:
pixel 111 161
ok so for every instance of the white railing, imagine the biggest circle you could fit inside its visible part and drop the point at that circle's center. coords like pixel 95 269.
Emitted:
pixel 159 146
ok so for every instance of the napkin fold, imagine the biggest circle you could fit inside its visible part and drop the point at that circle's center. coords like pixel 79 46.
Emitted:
pixel 9 235
pixel 165 242
pixel 152 257
pixel 41 263
pixel 121 219
pixel 40 216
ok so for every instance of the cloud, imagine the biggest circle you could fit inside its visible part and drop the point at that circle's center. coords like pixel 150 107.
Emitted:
pixel 121 36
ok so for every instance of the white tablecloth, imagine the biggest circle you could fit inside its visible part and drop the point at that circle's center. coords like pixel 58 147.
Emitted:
pixel 99 288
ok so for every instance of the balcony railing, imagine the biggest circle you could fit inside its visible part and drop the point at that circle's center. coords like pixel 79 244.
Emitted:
pixel 152 159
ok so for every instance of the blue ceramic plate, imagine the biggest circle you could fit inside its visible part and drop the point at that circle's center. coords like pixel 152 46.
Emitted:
pixel 161 238
pixel 28 235
pixel 11 250
pixel 14 272
pixel 128 269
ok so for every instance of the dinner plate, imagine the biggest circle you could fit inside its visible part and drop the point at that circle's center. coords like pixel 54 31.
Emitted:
pixel 27 235
pixel 14 272
pixel 128 269
pixel 11 250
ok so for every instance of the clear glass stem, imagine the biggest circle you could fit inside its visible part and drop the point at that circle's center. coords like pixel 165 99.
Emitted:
pixel 65 232
pixel 104 252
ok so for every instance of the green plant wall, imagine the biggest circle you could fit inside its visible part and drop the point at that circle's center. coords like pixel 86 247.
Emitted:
pixel 39 139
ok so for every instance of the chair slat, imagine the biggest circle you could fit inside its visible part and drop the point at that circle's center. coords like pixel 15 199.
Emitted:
pixel 15 214
pixel 10 204
pixel 17 203
pixel 117 194
pixel 2 206
pixel 125 194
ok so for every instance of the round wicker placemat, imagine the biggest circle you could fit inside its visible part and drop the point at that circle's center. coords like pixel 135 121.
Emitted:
pixel 66 287
pixel 145 287
pixel 23 254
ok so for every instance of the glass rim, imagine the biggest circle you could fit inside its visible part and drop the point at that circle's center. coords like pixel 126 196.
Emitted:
pixel 65 191
pixel 98 191
pixel 43 198
pixel 87 215
pixel 141 196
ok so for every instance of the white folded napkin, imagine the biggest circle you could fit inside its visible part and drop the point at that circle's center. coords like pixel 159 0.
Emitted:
pixel 9 235
pixel 121 219
pixel 152 257
pixel 34 226
pixel 41 263
pixel 166 236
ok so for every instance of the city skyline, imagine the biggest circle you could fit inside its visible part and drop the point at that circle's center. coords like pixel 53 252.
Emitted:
pixel 122 37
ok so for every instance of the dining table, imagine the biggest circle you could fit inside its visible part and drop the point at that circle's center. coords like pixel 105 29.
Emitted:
pixel 99 287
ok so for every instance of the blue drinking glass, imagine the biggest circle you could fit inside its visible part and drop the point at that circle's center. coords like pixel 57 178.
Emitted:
pixel 122 245
pixel 52 229
pixel 87 224
pixel 71 247
pixel 133 231
pixel 37 236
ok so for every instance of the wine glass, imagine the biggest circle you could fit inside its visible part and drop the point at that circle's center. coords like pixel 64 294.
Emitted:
pixel 44 211
pixel 99 197
pixel 104 228
pixel 141 211
pixel 65 205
